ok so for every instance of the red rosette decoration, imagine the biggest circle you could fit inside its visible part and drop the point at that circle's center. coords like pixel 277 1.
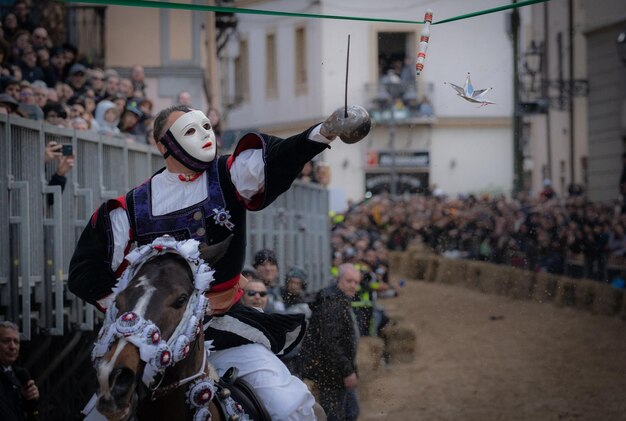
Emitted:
pixel 162 357
pixel 129 323
pixel 152 335
pixel 200 393
pixel 181 348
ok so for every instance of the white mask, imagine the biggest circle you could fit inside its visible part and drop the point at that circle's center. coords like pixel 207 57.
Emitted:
pixel 194 133
pixel 191 140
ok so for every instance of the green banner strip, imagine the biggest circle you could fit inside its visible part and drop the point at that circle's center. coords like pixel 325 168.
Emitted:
pixel 203 8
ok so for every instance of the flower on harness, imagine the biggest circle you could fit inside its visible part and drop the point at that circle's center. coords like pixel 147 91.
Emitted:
pixel 157 353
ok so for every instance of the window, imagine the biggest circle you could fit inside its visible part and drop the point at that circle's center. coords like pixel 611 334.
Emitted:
pixel 301 64
pixel 271 71
pixel 242 92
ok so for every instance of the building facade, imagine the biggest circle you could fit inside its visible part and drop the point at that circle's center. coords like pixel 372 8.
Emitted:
pixel 282 74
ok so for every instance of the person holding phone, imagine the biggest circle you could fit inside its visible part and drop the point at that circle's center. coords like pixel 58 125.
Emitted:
pixel 64 157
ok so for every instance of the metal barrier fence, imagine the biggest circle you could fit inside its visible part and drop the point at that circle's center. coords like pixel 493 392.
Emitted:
pixel 40 225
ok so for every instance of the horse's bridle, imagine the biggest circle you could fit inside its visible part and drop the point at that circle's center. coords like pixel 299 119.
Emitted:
pixel 157 353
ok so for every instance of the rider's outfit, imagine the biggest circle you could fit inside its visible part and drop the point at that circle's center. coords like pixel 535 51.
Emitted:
pixel 211 208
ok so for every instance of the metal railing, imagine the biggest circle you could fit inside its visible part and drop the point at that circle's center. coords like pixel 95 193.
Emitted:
pixel 40 225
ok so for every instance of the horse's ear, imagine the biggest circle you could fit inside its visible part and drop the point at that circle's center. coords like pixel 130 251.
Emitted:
pixel 212 254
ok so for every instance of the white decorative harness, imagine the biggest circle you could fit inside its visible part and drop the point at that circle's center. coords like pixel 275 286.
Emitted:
pixel 157 353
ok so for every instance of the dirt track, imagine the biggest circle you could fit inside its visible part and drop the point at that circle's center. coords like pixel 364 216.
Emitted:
pixel 484 357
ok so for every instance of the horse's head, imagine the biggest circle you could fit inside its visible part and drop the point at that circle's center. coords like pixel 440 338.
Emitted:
pixel 156 318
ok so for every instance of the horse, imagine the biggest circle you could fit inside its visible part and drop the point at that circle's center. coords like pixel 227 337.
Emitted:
pixel 150 355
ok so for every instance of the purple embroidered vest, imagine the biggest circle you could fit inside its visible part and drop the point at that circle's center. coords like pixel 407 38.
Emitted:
pixel 209 221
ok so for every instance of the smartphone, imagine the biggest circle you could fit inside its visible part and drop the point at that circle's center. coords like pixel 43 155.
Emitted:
pixel 67 150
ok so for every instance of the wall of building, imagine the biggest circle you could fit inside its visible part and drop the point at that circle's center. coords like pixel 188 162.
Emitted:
pixel 170 44
pixel 479 45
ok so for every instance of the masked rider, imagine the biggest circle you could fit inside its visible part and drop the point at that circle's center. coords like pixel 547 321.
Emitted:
pixel 204 196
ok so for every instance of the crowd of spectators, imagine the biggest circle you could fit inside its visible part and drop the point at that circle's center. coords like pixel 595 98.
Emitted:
pixel 571 236
pixel 43 81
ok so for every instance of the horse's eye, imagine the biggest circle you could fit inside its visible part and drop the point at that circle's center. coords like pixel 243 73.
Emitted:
pixel 181 301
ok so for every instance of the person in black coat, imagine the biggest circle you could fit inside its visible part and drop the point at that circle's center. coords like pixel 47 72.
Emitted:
pixel 330 346
pixel 18 393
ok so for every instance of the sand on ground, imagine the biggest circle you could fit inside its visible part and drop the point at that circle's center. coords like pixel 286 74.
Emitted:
pixel 482 357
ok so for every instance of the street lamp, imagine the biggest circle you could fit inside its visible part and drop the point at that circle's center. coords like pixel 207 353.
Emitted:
pixel 388 93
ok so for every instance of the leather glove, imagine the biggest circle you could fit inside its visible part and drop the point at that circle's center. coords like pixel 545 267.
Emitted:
pixel 350 129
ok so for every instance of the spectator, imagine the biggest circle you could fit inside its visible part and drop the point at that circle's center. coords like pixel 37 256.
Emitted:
pixel 120 102
pixel 548 192
pixel 10 86
pixel 330 346
pixel 137 76
pixel 55 114
pixel 39 38
pixel 130 124
pixel 95 79
pixel 43 61
pixel 107 118
pixel 64 92
pixel 248 273
pixel 322 173
pixel 266 266
pixel 306 175
pixel 22 13
pixel 79 123
pixel 57 63
pixel 40 91
pixel 293 294
pixel 184 98
pixel 30 71
pixel 77 79
pixel 19 43
pixel 426 107
pixel 19 395
pixel 4 51
pixel 28 105
pixel 126 88
pixel 255 294
pixel 70 53
pixel 112 85
pixel 10 26
pixel 215 119
pixel 64 164
pixel 8 105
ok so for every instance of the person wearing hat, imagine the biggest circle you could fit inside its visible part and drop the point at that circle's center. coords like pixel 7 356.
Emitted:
pixel 8 104
pixel 266 266
pixel 293 296
pixel 77 79
pixel 203 196
pixel 130 124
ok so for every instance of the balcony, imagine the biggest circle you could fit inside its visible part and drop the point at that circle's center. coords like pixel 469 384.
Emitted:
pixel 400 103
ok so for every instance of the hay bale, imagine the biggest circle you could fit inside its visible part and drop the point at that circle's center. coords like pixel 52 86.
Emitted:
pixel 608 300
pixel 585 294
pixel 452 271
pixel 496 279
pixel 400 342
pixel 410 264
pixel 431 269
pixel 474 273
pixel 565 292
pixel 522 284
pixel 622 312
pixel 420 266
pixel 395 260
pixel 545 287
pixel 369 355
